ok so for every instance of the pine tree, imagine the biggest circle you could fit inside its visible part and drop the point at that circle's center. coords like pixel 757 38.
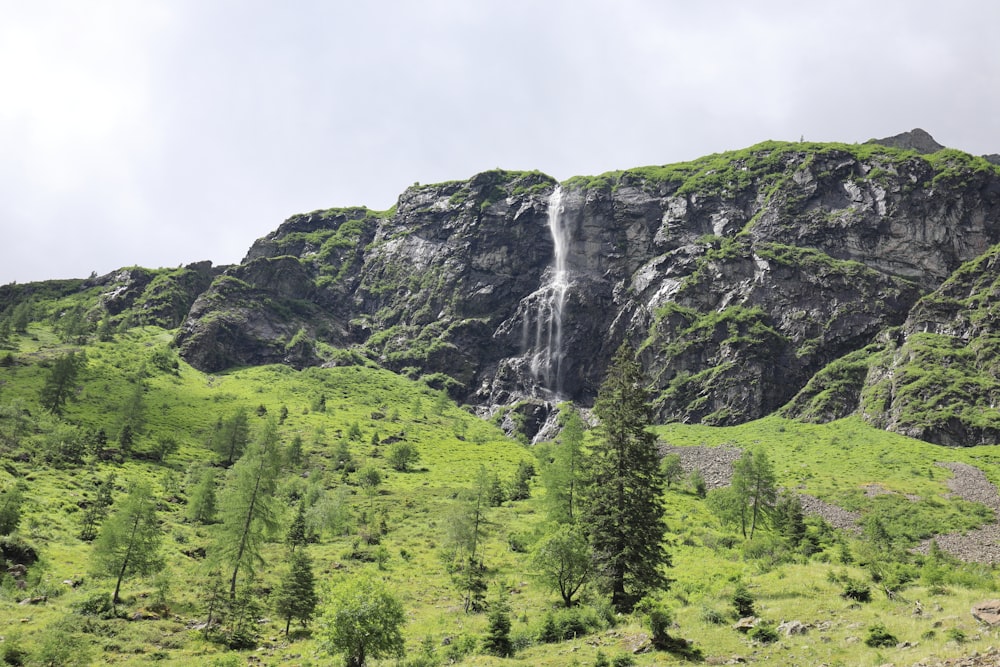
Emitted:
pixel 624 509
pixel 296 597
pixel 248 506
pixel 129 541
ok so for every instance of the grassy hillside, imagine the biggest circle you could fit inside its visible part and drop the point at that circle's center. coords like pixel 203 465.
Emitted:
pixel 400 533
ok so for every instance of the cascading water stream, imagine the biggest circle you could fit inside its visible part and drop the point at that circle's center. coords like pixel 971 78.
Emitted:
pixel 546 351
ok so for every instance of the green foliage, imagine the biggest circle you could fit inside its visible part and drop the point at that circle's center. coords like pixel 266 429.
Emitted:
pixel 11 500
pixel 563 561
pixel 248 510
pixel 361 620
pixel 562 476
pixel 403 456
pixel 497 640
pixel 857 590
pixel 202 504
pixel 59 384
pixel 231 436
pixel 879 637
pixel 624 507
pixel 298 531
pixel 672 470
pixel 129 541
pixel 744 603
pixel 764 633
pixel 296 598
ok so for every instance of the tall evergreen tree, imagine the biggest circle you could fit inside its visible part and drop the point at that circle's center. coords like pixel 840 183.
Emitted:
pixel 296 597
pixel 129 541
pixel 623 508
pixel 248 509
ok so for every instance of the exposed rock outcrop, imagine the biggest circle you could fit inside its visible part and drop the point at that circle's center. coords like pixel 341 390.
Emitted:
pixel 745 280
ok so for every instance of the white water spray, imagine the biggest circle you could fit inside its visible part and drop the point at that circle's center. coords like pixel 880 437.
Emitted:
pixel 547 347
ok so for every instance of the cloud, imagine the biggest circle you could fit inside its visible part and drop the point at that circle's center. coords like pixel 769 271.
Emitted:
pixel 165 132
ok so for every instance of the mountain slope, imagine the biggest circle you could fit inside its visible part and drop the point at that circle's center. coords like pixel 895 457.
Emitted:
pixel 739 276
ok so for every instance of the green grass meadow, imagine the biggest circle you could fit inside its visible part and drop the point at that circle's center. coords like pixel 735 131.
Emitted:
pixel 836 462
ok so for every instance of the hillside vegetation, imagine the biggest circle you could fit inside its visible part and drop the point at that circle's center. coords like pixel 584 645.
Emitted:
pixel 132 414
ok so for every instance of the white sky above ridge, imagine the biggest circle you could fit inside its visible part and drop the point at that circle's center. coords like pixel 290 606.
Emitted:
pixel 165 132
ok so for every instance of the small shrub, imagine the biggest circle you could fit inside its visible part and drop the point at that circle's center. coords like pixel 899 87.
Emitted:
pixel 764 633
pixel 623 660
pixel 659 619
pixel 957 635
pixel 98 604
pixel 743 602
pixel 712 616
pixel 857 590
pixel 549 633
pixel 880 637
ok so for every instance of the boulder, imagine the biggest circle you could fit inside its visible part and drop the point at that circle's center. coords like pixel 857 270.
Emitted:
pixel 987 612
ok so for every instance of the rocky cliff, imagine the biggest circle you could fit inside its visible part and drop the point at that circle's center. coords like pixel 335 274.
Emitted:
pixel 786 274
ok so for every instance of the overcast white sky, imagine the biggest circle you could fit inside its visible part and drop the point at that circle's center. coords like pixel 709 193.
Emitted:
pixel 162 132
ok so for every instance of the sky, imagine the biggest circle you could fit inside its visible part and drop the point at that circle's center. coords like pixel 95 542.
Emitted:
pixel 164 132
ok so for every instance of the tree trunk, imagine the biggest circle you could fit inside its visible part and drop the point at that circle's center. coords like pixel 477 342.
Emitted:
pixel 128 554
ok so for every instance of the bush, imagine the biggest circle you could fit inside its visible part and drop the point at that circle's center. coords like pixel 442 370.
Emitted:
pixel 659 619
pixel 857 590
pixel 712 616
pixel 98 604
pixel 743 602
pixel 880 637
pixel 403 456
pixel 764 633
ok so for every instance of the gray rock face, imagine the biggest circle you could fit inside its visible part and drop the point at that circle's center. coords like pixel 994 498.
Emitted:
pixel 738 277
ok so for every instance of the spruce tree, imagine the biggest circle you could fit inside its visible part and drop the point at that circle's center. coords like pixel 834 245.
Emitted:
pixel 298 534
pixel 623 507
pixel 296 597
pixel 497 641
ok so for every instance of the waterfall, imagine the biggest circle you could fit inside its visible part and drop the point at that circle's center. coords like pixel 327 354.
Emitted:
pixel 546 346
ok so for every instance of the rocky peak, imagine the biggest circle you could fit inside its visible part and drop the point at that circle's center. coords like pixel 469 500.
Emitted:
pixel 915 140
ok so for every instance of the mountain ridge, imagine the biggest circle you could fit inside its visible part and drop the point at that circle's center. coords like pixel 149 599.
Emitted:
pixel 739 277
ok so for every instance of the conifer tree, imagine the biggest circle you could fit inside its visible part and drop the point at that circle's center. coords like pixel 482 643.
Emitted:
pixel 562 476
pixel 129 541
pixel 296 597
pixel 58 385
pixel 624 508
pixel 231 436
pixel 755 490
pixel 298 532
pixel 248 506
pixel 497 641
pixel 203 505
